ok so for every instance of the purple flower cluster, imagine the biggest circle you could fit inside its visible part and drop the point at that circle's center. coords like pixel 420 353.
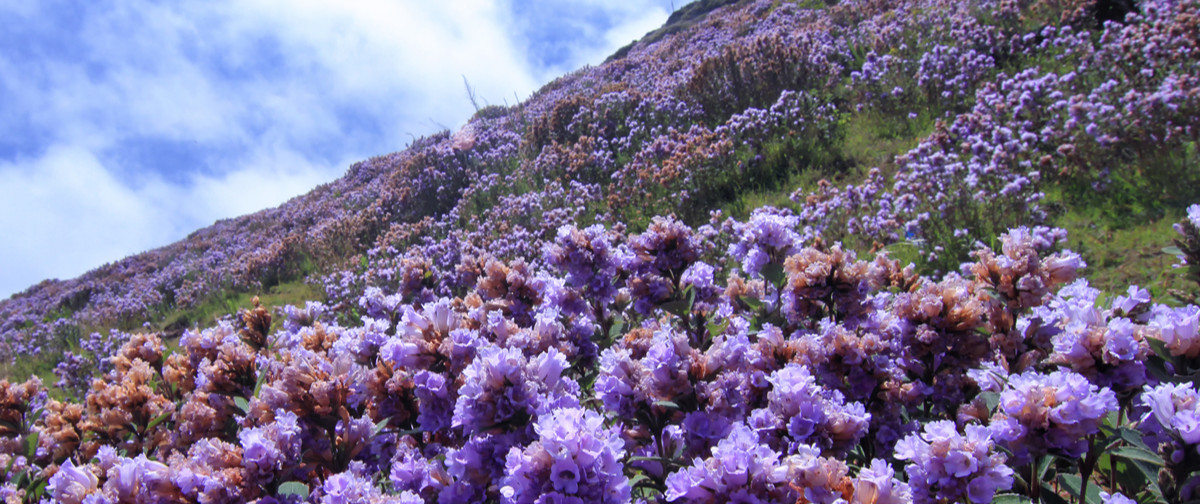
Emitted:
pixel 738 469
pixel 951 466
pixel 811 414
pixel 768 237
pixel 503 390
pixel 575 457
pixel 1050 413
pixel 1172 425
pixel 1174 410
pixel 1106 346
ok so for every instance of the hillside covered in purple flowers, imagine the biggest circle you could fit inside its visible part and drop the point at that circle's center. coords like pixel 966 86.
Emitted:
pixel 775 251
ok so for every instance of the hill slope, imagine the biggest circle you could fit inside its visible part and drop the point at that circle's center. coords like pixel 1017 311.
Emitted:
pixel 601 253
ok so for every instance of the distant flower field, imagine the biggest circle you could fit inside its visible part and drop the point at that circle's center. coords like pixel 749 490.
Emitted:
pixel 774 252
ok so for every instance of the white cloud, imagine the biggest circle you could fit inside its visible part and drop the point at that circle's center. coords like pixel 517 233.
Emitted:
pixel 252 102
pixel 64 214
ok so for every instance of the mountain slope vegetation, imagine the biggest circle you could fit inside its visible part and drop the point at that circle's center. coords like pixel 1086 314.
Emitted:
pixel 842 245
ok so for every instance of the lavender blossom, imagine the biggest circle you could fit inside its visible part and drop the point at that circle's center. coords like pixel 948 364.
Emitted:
pixel 504 390
pixel 739 468
pixel 946 466
pixel 1054 413
pixel 573 457
pixel 71 484
pixel 1174 415
pixel 768 237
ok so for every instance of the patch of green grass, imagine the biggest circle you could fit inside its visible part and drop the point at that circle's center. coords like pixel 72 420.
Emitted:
pixel 874 139
pixel 171 325
pixel 1118 257
pixel 869 140
pixel 228 302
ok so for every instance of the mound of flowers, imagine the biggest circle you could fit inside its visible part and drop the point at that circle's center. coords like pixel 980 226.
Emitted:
pixel 626 370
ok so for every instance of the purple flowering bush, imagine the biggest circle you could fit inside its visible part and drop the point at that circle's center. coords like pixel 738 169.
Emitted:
pixel 1049 413
pixel 946 465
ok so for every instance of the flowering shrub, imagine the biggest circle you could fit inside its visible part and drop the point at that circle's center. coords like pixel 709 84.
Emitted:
pixel 949 466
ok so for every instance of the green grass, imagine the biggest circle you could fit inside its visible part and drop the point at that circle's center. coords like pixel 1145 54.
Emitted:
pixel 171 326
pixel 204 315
pixel 1118 257
pixel 870 140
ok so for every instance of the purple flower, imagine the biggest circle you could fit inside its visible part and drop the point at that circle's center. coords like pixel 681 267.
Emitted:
pixel 1174 411
pixel 1136 299
pixel 347 488
pixel 588 258
pixel 1054 413
pixel 1109 354
pixel 877 484
pixel 655 260
pixel 268 449
pixel 700 278
pixel 1177 328
pixel 130 478
pixel 946 466
pixel 502 389
pixel 739 468
pixel 436 401
pixel 71 484
pixel 1115 498
pixel 573 457
pixel 769 236
pixel 813 414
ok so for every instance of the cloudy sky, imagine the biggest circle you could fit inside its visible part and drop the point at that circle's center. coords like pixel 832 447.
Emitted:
pixel 127 124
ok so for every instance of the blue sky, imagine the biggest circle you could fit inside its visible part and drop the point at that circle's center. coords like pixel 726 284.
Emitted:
pixel 125 125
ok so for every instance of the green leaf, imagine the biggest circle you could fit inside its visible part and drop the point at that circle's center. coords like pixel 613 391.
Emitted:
pixel 991 399
pixel 31 443
pixel 666 404
pixel 1159 347
pixel 1151 478
pixel 637 480
pixel 38 490
pixel 683 305
pixel 752 303
pixel 1011 499
pixel 375 430
pixel 1131 436
pixel 642 458
pixel 714 328
pixel 297 488
pixel 242 404
pixel 1073 483
pixel 262 378
pixel 1138 454
pixel 21 479
pixel 159 419
pixel 773 272
pixel 617 328
pixel 661 460
pixel 362 261
pixel 1046 463
pixel 677 307
pixel 1173 250
pixel 1157 368
pixel 1049 495
pixel 36 415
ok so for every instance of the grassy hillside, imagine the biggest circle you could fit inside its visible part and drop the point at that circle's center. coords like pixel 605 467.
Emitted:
pixel 868 216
